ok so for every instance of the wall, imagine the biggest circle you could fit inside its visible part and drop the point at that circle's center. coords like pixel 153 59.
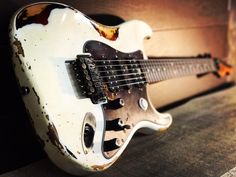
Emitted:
pixel 232 36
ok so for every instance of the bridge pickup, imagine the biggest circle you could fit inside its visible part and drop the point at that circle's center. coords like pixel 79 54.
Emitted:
pixel 88 79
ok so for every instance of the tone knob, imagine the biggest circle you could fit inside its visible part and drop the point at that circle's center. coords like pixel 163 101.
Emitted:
pixel 143 104
pixel 115 104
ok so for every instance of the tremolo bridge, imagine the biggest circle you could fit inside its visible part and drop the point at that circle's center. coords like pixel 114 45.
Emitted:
pixel 88 79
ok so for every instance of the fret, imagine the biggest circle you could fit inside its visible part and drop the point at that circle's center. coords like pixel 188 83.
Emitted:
pixel 158 70
pixel 146 71
pixel 161 71
pixel 151 72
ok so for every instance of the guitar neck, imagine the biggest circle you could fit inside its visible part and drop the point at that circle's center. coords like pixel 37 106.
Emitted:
pixel 155 70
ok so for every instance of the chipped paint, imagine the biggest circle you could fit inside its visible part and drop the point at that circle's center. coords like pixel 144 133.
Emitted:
pixel 19 47
pixel 38 98
pixel 53 136
pixel 17 57
pixel 47 116
pixel 33 10
pixel 69 152
pixel 110 33
pixel 101 167
pixel 36 14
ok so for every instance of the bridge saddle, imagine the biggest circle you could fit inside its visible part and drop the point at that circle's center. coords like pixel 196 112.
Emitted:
pixel 88 79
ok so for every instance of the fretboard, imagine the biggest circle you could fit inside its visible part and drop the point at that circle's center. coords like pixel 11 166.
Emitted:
pixel 155 70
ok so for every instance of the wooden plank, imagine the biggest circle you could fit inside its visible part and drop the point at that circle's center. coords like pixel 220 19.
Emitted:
pixel 186 42
pixel 159 14
pixel 232 37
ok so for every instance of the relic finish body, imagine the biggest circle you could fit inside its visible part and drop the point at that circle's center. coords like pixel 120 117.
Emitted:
pixel 44 37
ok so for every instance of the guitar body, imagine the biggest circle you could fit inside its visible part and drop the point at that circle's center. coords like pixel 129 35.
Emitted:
pixel 75 132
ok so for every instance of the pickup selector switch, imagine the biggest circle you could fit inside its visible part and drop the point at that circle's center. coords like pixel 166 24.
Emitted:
pixel 143 104
pixel 115 104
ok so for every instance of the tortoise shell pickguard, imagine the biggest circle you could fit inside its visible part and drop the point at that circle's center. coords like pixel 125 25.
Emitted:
pixel 131 113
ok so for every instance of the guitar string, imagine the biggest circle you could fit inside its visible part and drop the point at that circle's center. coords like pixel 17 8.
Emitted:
pixel 134 78
pixel 133 83
pixel 167 75
pixel 151 64
pixel 139 73
pixel 145 64
pixel 154 67
pixel 207 63
pixel 158 64
pixel 148 79
pixel 163 62
pixel 142 78
pixel 165 67
pixel 144 60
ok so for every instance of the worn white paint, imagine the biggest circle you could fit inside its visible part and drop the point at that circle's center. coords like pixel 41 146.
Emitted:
pixel 46 48
pixel 230 173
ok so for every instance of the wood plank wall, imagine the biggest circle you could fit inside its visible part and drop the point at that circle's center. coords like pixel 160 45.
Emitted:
pixel 232 36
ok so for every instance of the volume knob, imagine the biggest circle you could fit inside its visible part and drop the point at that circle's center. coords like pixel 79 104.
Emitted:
pixel 143 104
pixel 115 104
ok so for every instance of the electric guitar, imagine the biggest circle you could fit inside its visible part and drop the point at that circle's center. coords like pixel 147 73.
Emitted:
pixel 84 83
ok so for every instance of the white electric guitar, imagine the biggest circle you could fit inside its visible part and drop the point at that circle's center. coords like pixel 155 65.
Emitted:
pixel 84 84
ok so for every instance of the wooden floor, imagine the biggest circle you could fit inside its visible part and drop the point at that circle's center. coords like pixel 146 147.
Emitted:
pixel 200 143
